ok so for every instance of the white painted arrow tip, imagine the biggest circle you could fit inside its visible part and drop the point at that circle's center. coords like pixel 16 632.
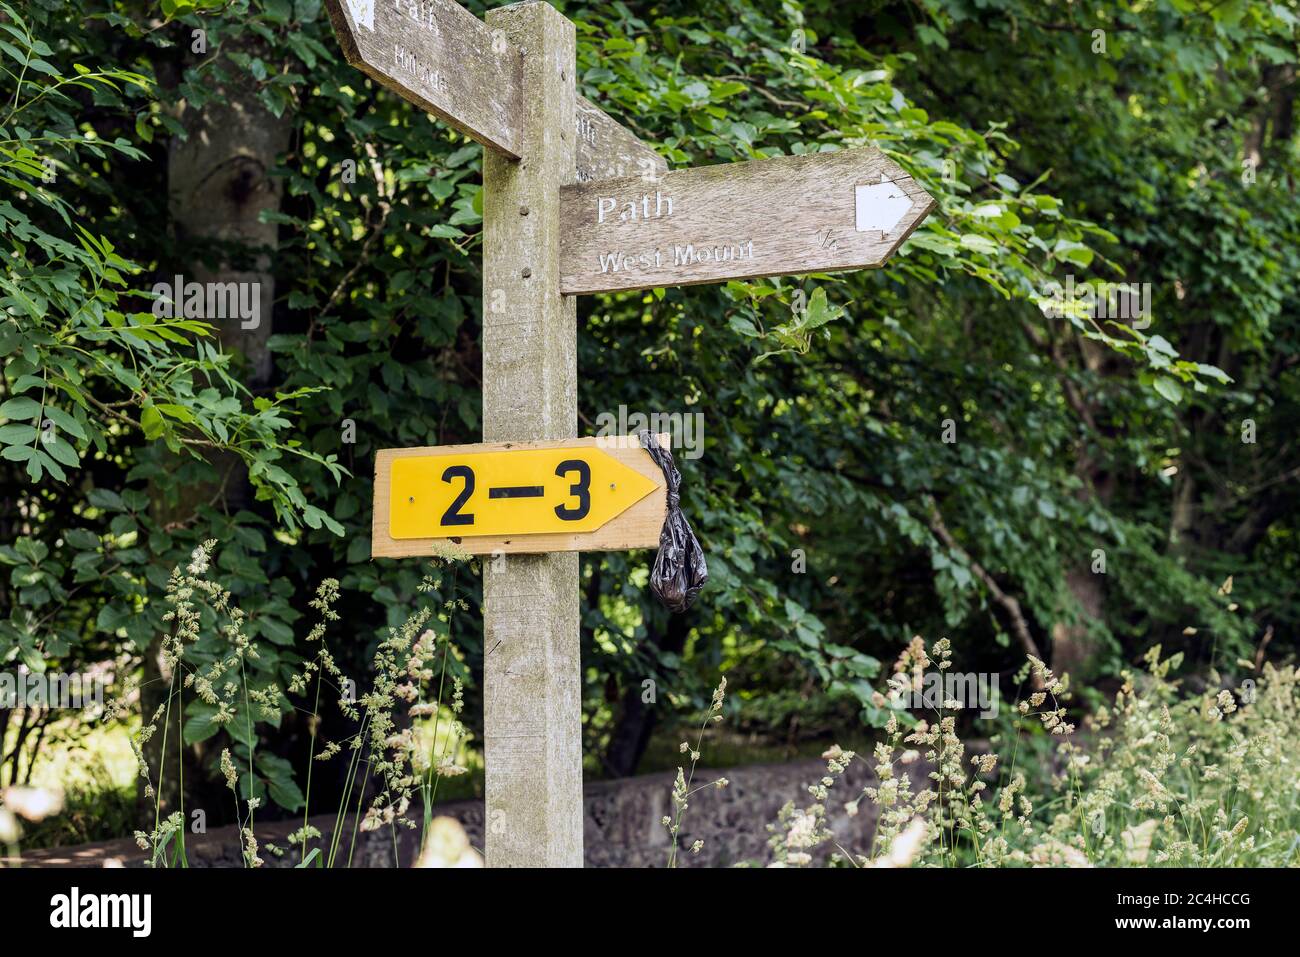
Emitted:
pixel 363 12
pixel 880 205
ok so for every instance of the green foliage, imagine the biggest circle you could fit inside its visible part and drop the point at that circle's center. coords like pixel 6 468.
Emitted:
pixel 73 344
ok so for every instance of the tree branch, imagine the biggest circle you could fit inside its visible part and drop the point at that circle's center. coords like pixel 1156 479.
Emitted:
pixel 1019 625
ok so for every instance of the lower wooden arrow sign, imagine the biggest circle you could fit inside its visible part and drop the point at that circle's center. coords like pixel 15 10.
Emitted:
pixel 525 497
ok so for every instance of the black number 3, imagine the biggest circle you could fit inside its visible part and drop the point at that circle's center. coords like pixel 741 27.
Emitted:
pixel 453 515
pixel 581 489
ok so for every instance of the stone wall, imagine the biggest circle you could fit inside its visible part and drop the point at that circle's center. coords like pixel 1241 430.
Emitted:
pixel 623 823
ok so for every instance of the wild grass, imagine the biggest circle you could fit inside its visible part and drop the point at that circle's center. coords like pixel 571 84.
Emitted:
pixel 1160 777
pixel 389 755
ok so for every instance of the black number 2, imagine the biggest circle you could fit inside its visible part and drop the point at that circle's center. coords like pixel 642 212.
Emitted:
pixel 581 489
pixel 453 515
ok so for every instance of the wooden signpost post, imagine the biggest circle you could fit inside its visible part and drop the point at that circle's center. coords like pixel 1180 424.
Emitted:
pixel 573 203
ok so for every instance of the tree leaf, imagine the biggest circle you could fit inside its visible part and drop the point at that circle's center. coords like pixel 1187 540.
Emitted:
pixel 1169 388
pixel 21 407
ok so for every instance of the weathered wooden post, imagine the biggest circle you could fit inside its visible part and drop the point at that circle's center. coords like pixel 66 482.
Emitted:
pixel 532 717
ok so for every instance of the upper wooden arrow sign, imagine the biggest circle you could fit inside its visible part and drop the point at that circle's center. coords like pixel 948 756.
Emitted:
pixel 578 495
pixel 442 58
pixel 820 212
pixel 439 56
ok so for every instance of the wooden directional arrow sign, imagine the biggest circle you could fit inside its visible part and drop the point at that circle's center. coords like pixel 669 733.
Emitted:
pixel 442 58
pixel 607 149
pixel 578 495
pixel 795 214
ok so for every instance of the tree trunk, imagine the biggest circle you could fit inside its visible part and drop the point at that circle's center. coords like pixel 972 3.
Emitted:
pixel 219 183
pixel 1074 644
pixel 637 717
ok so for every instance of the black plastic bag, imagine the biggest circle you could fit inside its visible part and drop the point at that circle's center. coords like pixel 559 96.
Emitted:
pixel 679 571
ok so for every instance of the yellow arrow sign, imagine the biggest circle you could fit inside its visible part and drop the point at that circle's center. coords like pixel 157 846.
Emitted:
pixel 566 489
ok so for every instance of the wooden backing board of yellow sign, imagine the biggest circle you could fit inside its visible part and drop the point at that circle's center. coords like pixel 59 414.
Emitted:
pixel 452 487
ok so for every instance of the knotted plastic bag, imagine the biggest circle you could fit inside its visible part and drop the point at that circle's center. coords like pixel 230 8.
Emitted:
pixel 679 571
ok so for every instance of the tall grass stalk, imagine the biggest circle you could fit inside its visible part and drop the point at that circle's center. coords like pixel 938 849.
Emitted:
pixel 386 747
